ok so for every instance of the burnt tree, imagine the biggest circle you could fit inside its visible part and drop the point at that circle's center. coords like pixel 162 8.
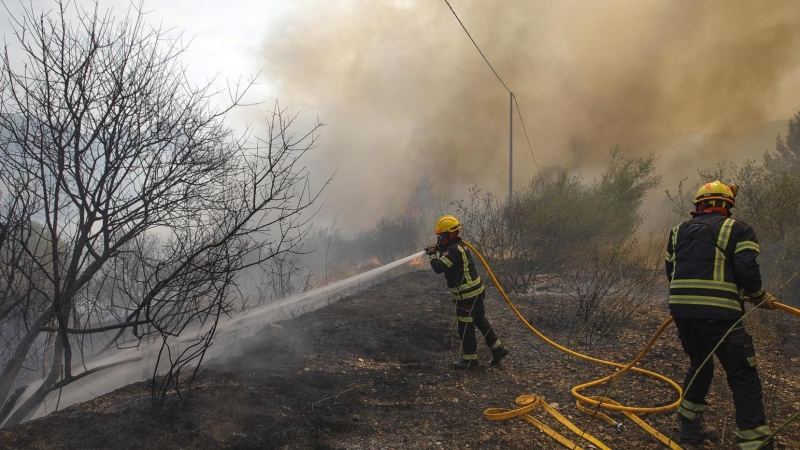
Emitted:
pixel 129 209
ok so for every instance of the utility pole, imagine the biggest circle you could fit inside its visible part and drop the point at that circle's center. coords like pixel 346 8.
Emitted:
pixel 510 146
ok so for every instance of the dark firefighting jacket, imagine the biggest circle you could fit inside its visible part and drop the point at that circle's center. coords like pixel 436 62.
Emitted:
pixel 711 262
pixel 459 270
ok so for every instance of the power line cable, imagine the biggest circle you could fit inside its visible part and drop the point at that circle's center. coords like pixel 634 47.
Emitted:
pixel 476 46
pixel 519 113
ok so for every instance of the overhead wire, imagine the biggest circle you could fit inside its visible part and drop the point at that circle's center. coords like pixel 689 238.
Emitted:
pixel 519 113
pixel 476 46
pixel 514 96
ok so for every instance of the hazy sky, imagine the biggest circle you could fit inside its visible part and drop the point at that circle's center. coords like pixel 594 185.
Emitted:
pixel 404 93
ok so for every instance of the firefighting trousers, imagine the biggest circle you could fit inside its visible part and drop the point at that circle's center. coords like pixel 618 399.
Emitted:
pixel 471 314
pixel 738 359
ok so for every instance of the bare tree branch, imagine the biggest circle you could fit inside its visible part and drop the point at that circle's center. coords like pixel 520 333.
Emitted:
pixel 129 210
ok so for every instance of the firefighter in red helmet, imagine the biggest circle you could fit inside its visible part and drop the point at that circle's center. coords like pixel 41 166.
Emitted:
pixel 711 265
pixel 453 259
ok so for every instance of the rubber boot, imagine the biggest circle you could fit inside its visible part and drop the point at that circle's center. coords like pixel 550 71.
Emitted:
pixel 465 364
pixel 753 444
pixel 498 354
pixel 696 431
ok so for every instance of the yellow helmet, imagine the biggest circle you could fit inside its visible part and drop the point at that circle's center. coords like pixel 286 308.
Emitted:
pixel 447 224
pixel 716 190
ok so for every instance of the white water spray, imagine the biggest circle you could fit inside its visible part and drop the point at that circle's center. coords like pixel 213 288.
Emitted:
pixel 228 332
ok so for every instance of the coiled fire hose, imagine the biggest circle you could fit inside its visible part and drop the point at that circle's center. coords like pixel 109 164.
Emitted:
pixel 528 403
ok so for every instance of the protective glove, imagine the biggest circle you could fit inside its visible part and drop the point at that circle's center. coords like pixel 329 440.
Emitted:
pixel 430 250
pixel 765 300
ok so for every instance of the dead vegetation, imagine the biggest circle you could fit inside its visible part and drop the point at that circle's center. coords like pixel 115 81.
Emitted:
pixel 373 371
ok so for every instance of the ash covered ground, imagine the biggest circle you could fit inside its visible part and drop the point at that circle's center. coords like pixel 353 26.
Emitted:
pixel 373 371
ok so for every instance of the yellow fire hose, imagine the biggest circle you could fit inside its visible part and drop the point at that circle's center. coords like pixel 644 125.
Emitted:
pixel 528 403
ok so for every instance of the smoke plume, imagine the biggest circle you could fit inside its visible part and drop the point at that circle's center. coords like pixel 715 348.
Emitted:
pixel 405 93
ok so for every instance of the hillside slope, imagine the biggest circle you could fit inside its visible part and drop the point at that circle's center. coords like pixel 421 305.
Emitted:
pixel 372 371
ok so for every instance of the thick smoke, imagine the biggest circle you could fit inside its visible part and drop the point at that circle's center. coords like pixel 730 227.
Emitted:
pixel 405 93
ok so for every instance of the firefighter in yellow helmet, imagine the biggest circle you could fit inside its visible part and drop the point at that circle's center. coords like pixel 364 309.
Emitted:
pixel 711 265
pixel 450 257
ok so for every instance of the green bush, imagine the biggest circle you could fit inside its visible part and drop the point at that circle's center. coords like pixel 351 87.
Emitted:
pixel 553 219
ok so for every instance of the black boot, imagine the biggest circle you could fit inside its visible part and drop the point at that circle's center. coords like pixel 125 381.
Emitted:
pixel 465 364
pixel 498 354
pixel 696 431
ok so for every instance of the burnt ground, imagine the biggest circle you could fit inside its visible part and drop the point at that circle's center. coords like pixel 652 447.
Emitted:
pixel 373 371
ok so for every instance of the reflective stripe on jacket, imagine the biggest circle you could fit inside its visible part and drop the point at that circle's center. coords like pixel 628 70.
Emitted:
pixel 710 260
pixel 459 270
